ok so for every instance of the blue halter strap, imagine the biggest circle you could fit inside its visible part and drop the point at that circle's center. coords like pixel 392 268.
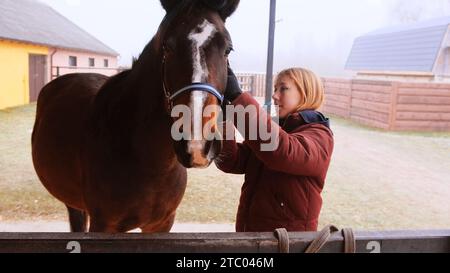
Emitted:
pixel 203 87
pixel 198 87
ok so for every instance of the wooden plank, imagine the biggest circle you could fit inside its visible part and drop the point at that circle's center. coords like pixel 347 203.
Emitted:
pixel 435 125
pixel 373 106
pixel 345 113
pixel 338 91
pixel 423 108
pixel 337 85
pixel 36 75
pixel 334 97
pixel 402 99
pixel 424 85
pixel 374 97
pixel 341 84
pixel 385 242
pixel 336 80
pixel 364 113
pixel 394 104
pixel 424 92
pixel 423 116
pixel 350 100
pixel 372 88
pixel 337 104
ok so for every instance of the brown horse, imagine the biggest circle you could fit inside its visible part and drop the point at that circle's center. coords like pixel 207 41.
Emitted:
pixel 103 146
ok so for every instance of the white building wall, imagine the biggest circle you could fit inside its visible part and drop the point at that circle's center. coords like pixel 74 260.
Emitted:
pixel 59 63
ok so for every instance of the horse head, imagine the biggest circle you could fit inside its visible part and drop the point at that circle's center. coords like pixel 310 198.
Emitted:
pixel 194 46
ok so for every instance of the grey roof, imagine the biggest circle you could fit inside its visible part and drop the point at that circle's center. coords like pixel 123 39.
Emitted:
pixel 412 48
pixel 35 22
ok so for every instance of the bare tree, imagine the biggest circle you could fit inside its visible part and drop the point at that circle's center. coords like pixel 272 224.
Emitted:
pixel 408 11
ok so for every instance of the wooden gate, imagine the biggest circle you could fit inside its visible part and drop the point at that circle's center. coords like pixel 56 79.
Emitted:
pixel 37 75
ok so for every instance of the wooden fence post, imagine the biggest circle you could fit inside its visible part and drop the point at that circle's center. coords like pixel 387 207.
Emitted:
pixel 350 99
pixel 393 110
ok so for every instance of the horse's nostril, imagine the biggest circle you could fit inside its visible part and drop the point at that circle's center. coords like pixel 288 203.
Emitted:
pixel 196 149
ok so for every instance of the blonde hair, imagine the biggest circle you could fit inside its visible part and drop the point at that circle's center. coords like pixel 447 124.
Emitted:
pixel 308 84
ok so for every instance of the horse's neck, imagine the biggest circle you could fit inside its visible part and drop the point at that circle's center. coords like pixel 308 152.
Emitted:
pixel 145 80
pixel 132 99
pixel 150 135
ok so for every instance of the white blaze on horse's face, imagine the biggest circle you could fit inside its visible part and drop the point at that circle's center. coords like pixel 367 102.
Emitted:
pixel 200 37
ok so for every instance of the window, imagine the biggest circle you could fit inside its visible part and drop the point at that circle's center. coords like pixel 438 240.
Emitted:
pixel 91 62
pixel 72 61
pixel 106 63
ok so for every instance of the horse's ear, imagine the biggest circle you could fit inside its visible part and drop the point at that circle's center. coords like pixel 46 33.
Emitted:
pixel 168 5
pixel 228 9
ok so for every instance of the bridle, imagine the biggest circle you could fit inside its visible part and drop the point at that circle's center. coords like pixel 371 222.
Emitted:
pixel 203 87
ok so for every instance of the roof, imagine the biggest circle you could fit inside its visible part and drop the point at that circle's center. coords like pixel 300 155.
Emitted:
pixel 34 22
pixel 409 48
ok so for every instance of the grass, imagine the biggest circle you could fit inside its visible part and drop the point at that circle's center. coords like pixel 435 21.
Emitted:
pixel 377 180
pixel 23 198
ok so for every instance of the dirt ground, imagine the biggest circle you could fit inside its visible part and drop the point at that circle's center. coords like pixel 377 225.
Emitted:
pixel 377 181
pixel 381 180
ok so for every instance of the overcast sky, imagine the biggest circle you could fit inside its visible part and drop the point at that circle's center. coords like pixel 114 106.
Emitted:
pixel 317 34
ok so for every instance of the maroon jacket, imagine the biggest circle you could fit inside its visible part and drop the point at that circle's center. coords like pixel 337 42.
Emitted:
pixel 282 188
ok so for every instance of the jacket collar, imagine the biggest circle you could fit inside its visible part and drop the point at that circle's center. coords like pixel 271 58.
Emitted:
pixel 304 117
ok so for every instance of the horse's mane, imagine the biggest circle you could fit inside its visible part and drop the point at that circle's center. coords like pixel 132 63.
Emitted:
pixel 188 6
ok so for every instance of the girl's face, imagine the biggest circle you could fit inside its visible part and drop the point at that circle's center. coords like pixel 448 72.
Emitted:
pixel 286 96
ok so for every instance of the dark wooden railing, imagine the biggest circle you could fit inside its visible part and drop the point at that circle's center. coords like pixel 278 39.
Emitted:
pixel 437 241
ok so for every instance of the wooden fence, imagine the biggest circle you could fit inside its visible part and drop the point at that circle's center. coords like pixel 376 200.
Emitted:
pixel 254 83
pixel 58 71
pixel 437 241
pixel 389 105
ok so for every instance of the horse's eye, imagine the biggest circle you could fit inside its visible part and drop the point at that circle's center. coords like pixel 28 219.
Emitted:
pixel 228 51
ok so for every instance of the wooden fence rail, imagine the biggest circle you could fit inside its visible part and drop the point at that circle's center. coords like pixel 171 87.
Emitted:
pixel 389 105
pixel 398 106
pixel 437 241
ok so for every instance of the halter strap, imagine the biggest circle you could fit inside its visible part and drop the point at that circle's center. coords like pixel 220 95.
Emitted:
pixel 199 87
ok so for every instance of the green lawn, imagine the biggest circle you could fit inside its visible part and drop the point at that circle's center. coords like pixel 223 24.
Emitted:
pixel 377 180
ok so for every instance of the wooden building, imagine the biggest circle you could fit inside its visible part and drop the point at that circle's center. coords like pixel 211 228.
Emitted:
pixel 37 44
pixel 414 52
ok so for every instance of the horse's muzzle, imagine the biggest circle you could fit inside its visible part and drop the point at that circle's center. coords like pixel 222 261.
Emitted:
pixel 197 154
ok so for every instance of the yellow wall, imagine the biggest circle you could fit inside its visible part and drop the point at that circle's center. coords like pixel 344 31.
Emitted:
pixel 14 86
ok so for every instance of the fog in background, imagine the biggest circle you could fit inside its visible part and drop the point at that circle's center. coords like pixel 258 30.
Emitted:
pixel 314 34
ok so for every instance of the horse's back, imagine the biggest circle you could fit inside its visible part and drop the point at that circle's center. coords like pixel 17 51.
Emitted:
pixel 62 110
pixel 70 88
